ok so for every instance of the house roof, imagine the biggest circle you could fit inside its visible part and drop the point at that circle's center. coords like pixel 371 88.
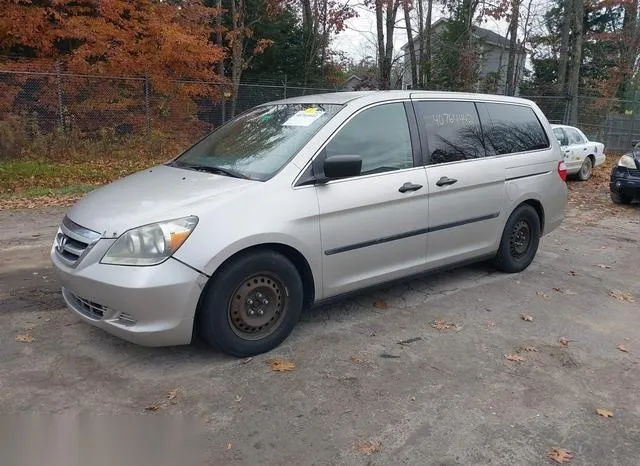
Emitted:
pixel 487 35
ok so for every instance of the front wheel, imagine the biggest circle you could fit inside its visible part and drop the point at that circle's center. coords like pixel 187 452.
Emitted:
pixel 252 304
pixel 586 169
pixel 520 240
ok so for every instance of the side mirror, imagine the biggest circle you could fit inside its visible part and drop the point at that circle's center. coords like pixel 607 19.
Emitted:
pixel 635 143
pixel 342 166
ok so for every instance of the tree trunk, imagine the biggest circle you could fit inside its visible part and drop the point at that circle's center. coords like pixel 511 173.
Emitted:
pixel 573 84
pixel 427 46
pixel 630 46
pixel 420 44
pixel 563 59
pixel 392 10
pixel 513 47
pixel 237 64
pixel 221 63
pixel 380 34
pixel 412 46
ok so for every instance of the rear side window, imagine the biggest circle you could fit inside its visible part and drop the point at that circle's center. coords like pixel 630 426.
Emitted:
pixel 574 136
pixel 452 130
pixel 513 128
pixel 562 138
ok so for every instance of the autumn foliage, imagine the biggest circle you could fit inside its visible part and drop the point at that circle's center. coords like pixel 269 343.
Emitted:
pixel 163 39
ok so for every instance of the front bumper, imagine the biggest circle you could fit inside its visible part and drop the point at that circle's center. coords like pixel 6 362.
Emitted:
pixel 625 181
pixel 149 306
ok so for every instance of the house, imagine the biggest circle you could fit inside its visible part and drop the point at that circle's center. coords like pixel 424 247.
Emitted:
pixel 494 56
pixel 359 83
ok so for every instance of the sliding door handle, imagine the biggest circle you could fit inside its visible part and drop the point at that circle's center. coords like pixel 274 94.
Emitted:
pixel 444 181
pixel 409 187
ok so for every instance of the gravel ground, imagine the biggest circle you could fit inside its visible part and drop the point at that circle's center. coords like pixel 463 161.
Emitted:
pixel 357 395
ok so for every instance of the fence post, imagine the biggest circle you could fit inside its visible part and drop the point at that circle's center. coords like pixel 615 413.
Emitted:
pixel 147 106
pixel 60 99
pixel 285 86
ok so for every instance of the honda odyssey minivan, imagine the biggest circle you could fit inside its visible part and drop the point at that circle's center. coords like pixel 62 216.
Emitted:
pixel 305 199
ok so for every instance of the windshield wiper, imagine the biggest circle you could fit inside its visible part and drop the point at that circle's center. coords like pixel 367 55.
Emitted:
pixel 209 169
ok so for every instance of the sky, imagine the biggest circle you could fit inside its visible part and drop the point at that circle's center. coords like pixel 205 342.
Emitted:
pixel 359 38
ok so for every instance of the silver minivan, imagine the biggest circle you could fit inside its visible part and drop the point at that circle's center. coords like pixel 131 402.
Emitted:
pixel 305 199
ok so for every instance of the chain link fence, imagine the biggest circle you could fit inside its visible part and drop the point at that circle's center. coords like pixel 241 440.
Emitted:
pixel 36 103
pixel 97 107
pixel 614 122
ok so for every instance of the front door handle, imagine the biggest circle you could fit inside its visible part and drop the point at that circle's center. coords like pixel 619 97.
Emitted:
pixel 444 181
pixel 409 187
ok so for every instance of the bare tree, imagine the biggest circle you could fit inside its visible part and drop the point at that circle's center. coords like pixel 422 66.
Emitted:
pixel 563 59
pixel 406 6
pixel 573 84
pixel 514 47
pixel 386 11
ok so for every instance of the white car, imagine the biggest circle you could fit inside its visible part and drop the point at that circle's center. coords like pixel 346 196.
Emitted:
pixel 580 154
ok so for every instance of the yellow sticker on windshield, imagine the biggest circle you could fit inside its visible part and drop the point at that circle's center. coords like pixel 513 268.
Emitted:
pixel 311 111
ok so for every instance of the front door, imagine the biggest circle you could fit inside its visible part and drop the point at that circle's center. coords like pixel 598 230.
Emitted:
pixel 466 190
pixel 373 226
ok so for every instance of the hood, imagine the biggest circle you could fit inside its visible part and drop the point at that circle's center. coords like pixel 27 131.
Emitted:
pixel 153 195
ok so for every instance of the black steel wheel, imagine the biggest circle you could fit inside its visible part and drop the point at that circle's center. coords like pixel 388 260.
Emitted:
pixel 251 304
pixel 520 240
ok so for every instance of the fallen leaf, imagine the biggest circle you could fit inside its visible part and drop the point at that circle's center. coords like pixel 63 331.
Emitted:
pixel 563 341
pixel 572 273
pixel 380 304
pixel 26 338
pixel 603 266
pixel 514 357
pixel 490 324
pixel 152 408
pixel 172 394
pixel 227 446
pixel 356 360
pixel 622 295
pixel 564 291
pixel 560 455
pixel 529 348
pixel 623 348
pixel 246 360
pixel 444 325
pixel 369 447
pixel 526 317
pixel 281 365
pixel 542 294
pixel 604 412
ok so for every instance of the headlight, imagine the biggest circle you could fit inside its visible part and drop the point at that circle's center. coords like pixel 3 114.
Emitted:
pixel 150 244
pixel 627 162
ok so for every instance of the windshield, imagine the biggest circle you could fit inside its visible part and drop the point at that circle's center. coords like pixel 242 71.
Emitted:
pixel 259 143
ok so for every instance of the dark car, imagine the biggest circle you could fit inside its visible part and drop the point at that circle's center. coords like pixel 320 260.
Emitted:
pixel 625 177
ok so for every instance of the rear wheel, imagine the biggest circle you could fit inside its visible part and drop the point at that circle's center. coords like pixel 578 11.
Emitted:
pixel 520 240
pixel 620 198
pixel 252 304
pixel 586 169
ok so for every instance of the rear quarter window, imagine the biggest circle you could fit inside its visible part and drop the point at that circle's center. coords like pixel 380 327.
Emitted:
pixel 509 128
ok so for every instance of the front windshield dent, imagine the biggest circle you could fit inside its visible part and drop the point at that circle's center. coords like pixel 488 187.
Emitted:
pixel 259 143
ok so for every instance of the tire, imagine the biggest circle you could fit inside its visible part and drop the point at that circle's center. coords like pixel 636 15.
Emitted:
pixel 586 169
pixel 520 240
pixel 252 304
pixel 620 198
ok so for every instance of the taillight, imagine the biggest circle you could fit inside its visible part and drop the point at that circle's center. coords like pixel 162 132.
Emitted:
pixel 562 171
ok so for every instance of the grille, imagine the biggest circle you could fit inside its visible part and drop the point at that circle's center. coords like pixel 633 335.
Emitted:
pixel 73 242
pixel 634 171
pixel 89 308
